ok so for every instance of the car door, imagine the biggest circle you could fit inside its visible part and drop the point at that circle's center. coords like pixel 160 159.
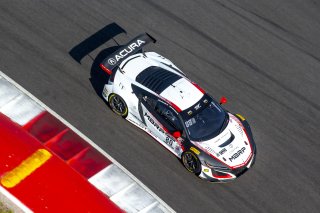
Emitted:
pixel 162 121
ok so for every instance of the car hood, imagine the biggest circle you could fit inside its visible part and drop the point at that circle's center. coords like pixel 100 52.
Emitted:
pixel 231 146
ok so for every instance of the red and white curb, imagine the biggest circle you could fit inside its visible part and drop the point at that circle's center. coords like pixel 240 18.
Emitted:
pixel 75 149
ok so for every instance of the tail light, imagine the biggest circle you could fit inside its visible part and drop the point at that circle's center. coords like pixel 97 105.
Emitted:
pixel 105 69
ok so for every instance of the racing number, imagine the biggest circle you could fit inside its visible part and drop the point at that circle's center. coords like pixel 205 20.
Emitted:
pixel 169 141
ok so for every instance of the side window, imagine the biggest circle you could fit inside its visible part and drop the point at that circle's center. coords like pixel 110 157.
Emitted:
pixel 149 101
pixel 168 115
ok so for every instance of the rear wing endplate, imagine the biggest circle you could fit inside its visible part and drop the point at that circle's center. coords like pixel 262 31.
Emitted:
pixel 132 47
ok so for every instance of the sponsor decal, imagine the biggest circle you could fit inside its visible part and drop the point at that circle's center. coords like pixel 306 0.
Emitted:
pixel 168 140
pixel 190 122
pixel 105 92
pixel 221 152
pixel 237 154
pixel 197 106
pixel 206 170
pixel 123 53
pixel 154 123
pixel 112 61
pixel 210 150
pixel 195 150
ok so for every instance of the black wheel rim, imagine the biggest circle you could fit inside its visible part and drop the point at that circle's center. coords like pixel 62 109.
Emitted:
pixel 118 104
pixel 190 162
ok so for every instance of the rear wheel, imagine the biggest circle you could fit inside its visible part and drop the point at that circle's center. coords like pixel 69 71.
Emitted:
pixel 191 162
pixel 118 105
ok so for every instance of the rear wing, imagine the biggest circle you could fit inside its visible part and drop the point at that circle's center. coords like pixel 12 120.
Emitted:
pixel 132 47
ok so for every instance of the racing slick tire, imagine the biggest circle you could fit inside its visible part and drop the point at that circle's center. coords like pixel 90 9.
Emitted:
pixel 118 105
pixel 191 162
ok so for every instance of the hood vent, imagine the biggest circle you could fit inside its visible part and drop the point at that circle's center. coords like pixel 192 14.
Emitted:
pixel 157 79
pixel 228 141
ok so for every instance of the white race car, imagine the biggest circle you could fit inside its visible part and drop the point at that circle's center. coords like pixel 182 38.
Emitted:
pixel 152 93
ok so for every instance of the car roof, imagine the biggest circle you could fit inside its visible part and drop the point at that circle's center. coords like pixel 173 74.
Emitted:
pixel 182 93
pixel 162 80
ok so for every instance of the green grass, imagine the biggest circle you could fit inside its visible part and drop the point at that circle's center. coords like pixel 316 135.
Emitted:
pixel 4 209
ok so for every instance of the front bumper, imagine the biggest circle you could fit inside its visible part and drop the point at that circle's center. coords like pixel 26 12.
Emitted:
pixel 210 175
pixel 228 174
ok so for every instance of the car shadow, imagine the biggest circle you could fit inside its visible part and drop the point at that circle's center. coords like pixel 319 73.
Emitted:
pixel 94 41
pixel 97 77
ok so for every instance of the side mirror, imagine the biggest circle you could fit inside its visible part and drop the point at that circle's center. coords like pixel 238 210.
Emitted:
pixel 223 100
pixel 176 134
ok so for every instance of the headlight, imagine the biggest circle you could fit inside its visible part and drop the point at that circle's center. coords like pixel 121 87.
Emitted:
pixel 215 165
pixel 208 164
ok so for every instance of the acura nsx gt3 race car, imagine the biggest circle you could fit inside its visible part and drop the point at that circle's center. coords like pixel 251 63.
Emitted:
pixel 152 93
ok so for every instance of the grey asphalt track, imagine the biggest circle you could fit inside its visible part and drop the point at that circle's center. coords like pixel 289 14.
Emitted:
pixel 264 56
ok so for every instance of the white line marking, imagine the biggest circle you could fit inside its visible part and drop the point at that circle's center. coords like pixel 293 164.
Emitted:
pixel 15 201
pixel 88 140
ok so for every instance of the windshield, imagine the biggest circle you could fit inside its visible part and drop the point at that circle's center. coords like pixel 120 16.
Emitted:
pixel 206 123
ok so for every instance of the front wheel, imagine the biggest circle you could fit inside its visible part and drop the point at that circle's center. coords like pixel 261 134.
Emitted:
pixel 191 162
pixel 118 105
